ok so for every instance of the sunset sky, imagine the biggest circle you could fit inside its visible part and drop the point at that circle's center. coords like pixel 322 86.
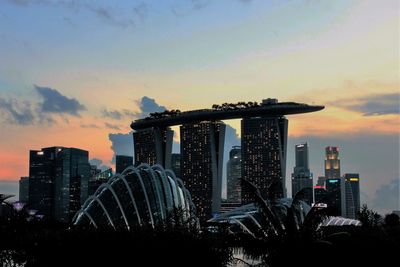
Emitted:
pixel 76 73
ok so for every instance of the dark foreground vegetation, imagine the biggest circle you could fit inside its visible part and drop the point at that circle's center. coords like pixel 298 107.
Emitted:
pixel 26 241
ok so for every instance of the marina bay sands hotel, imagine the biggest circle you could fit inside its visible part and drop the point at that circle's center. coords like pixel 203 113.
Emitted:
pixel 264 131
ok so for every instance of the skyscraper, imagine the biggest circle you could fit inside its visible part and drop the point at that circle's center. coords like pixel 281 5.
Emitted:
pixel 153 146
pixel 122 162
pixel 332 163
pixel 58 181
pixel 42 173
pixel 202 148
pixel 321 181
pixel 24 189
pixel 176 164
pixel 336 195
pixel 71 182
pixel 352 194
pixel 98 179
pixel 233 174
pixel 264 156
pixel 319 194
pixel 301 176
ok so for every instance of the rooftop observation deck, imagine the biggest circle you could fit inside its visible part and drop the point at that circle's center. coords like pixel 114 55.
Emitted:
pixel 269 107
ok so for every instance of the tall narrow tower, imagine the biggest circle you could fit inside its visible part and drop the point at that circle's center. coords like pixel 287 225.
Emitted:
pixel 332 163
pixel 264 156
pixel 202 150
pixel 153 146
pixel 301 176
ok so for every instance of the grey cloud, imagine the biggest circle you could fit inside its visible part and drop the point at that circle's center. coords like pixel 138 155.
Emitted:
pixel 372 105
pixel 141 10
pixel 148 105
pixel 17 112
pixel 387 196
pixel 200 4
pixel 90 126
pixel 99 164
pixel 112 126
pixel 122 144
pixel 111 15
pixel 55 102
pixel 118 114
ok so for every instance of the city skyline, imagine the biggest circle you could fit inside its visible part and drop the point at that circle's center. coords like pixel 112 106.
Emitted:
pixel 342 55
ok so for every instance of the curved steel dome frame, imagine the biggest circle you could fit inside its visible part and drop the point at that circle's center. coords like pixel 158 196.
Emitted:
pixel 140 196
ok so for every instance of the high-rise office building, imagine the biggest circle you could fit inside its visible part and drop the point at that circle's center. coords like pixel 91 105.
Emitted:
pixel 202 148
pixel 58 181
pixel 321 181
pixel 336 195
pixel 332 163
pixel 122 162
pixel 319 194
pixel 24 189
pixel 42 172
pixel 176 164
pixel 233 174
pixel 153 146
pixel 264 156
pixel 98 179
pixel 301 176
pixel 352 194
pixel 71 182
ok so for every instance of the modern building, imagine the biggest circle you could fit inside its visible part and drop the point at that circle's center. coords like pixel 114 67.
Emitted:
pixel 122 162
pixel 233 175
pixel 94 170
pixel 42 172
pixel 24 189
pixel 202 150
pixel 264 142
pixel 98 179
pixel 58 181
pixel 71 182
pixel 336 196
pixel 264 129
pixel 321 181
pixel 352 194
pixel 176 164
pixel 153 146
pixel 320 194
pixel 332 163
pixel 301 176
pixel 139 197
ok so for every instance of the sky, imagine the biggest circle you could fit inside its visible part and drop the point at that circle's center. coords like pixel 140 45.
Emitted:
pixel 76 73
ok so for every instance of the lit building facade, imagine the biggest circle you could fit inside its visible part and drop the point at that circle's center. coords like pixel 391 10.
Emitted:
pixel 332 163
pixel 58 181
pixel 352 194
pixel 264 142
pixel 202 150
pixel 301 176
pixel 24 189
pixel 336 196
pixel 98 179
pixel 41 179
pixel 71 182
pixel 176 164
pixel 319 194
pixel 122 162
pixel 233 175
pixel 153 146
